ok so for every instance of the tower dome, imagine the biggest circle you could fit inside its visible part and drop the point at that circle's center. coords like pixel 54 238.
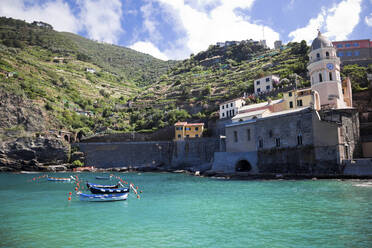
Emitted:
pixel 320 42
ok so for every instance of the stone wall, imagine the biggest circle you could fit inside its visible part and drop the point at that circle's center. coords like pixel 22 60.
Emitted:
pixel 358 167
pixel 172 154
pixel 226 162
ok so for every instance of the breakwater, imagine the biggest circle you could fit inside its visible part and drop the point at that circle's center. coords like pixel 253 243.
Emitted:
pixel 196 153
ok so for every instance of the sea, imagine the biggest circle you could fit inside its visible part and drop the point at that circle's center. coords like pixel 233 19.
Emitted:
pixel 179 210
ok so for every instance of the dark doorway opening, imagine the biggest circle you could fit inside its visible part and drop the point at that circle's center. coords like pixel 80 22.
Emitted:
pixel 243 166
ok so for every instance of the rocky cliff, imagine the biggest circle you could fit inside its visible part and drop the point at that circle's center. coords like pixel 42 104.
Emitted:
pixel 29 153
pixel 22 147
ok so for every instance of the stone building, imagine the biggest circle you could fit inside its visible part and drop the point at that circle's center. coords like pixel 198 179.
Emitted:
pixel 230 108
pixel 185 130
pixel 265 84
pixel 314 135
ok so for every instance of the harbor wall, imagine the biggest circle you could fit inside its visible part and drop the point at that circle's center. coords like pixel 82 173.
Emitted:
pixel 174 154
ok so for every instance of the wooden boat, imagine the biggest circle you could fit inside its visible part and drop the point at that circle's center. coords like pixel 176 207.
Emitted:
pixel 114 186
pixel 103 178
pixel 103 197
pixel 60 179
pixel 96 190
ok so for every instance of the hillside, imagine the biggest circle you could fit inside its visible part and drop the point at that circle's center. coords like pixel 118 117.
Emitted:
pixel 127 91
pixel 48 69
pixel 127 64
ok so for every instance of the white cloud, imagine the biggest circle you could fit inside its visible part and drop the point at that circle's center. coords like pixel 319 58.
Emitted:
pixel 202 28
pixel 308 32
pixel 102 19
pixel 57 13
pixel 337 22
pixel 368 20
pixel 149 48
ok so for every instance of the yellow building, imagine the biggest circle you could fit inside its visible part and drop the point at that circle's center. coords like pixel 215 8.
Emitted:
pixel 297 98
pixel 188 130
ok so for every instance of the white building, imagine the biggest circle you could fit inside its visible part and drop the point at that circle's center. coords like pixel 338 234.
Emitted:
pixel 324 70
pixel 230 108
pixel 265 84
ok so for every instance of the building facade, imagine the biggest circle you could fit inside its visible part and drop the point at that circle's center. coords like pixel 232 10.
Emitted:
pixel 354 51
pixel 298 98
pixel 278 44
pixel 230 108
pixel 184 130
pixel 265 84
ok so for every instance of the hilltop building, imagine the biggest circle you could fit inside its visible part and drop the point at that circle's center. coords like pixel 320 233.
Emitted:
pixel 188 130
pixel 278 44
pixel 354 51
pixel 265 84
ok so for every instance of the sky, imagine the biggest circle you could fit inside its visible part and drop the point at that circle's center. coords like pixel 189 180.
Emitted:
pixel 174 29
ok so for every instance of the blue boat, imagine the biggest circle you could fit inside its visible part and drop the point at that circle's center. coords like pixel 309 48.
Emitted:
pixel 103 178
pixel 97 190
pixel 60 179
pixel 103 197
pixel 113 186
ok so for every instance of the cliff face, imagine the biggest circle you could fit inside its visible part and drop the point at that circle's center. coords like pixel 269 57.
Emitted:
pixel 30 153
pixel 19 114
pixel 20 149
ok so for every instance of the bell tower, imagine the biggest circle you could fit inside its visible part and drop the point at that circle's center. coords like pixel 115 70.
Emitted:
pixel 324 70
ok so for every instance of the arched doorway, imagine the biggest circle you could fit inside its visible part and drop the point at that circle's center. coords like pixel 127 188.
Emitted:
pixel 66 137
pixel 243 166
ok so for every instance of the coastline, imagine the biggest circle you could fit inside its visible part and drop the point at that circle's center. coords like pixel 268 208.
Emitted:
pixel 218 175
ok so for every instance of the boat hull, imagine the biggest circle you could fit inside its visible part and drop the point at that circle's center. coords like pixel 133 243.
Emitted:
pixel 59 179
pixel 96 190
pixel 103 186
pixel 103 197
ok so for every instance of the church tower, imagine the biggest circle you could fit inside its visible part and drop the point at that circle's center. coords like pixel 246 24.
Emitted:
pixel 324 70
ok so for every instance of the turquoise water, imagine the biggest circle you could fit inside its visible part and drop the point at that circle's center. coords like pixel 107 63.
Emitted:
pixel 177 210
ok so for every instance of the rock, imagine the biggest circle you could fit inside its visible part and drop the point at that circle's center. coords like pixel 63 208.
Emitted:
pixel 29 153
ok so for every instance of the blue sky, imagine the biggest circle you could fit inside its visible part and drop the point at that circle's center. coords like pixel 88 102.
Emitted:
pixel 173 29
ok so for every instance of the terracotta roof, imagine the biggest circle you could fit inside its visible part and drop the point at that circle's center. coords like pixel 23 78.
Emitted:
pixel 188 124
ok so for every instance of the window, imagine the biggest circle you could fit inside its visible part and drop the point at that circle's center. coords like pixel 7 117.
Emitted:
pixel 233 112
pixel 187 136
pixel 356 44
pixel 330 76
pixel 318 55
pixel 231 104
pixel 179 136
pixel 290 94
pixel 347 45
pixel 227 105
pixel 357 53
pixel 349 53
pixel 235 136
pixel 260 143
pixel 290 104
pixel 267 79
pixel 258 90
pixel 340 54
pixel 196 135
pixel 196 128
pixel 327 54
pixel 339 45
pixel 223 114
pixel 271 133
pixel 268 87
pixel 299 103
pixel 223 106
pixel 299 139
pixel 258 82
pixel 248 134
pixel 277 142
pixel 320 77
pixel 188 128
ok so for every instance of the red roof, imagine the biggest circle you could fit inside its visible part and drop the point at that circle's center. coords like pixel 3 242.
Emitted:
pixel 188 124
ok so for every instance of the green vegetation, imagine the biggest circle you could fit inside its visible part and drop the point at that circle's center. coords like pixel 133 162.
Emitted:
pixel 130 91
